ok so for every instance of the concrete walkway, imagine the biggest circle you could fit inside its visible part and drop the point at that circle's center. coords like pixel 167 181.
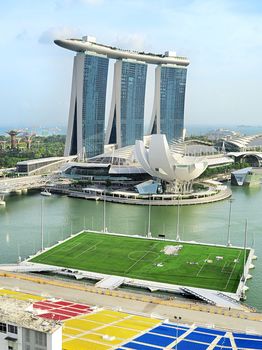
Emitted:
pixel 174 310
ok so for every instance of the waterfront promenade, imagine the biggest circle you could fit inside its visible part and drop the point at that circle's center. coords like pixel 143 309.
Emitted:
pixel 124 197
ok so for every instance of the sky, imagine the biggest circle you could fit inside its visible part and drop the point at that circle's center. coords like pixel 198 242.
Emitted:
pixel 221 38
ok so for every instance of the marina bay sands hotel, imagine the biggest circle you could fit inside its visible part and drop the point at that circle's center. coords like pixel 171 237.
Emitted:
pixel 86 133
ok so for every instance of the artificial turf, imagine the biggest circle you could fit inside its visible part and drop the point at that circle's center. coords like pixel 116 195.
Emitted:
pixel 195 265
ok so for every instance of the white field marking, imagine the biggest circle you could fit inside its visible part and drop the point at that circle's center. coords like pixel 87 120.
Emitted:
pixel 201 268
pixel 50 252
pixel 89 248
pixel 232 270
pixel 136 262
pixel 72 246
pixel 226 263
pixel 223 268
pixel 54 250
pixel 141 251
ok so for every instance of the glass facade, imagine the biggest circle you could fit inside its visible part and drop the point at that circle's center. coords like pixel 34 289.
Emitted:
pixel 133 84
pixel 172 101
pixel 94 101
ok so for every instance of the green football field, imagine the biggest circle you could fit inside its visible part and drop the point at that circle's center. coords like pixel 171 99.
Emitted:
pixel 194 265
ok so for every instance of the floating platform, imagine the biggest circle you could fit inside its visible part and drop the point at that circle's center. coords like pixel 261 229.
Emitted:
pixel 114 259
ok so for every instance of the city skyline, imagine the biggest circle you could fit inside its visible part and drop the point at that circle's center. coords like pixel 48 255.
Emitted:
pixel 221 39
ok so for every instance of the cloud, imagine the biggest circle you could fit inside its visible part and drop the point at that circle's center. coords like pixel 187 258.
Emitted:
pixel 49 35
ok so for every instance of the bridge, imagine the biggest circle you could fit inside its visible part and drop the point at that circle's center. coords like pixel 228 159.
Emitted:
pixel 22 184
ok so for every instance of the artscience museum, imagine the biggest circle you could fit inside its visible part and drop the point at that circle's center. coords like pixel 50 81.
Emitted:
pixel 175 171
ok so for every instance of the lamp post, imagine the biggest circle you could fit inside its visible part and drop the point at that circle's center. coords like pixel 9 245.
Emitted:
pixel 245 252
pixel 42 224
pixel 177 223
pixel 104 213
pixel 149 218
pixel 229 222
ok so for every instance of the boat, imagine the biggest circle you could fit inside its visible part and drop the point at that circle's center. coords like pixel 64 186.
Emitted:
pixel 45 193
pixel 4 191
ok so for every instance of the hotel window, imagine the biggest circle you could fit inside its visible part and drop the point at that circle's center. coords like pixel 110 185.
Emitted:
pixel 2 327
pixel 40 338
pixel 12 329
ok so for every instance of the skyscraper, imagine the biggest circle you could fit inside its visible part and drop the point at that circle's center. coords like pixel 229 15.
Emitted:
pixel 169 101
pixel 86 124
pixel 126 119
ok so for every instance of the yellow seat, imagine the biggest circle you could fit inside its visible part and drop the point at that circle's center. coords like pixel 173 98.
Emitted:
pixel 77 344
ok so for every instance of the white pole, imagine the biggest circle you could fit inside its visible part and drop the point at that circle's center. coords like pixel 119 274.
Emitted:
pixel 177 223
pixel 104 219
pixel 245 250
pixel 42 224
pixel 229 222
pixel 149 218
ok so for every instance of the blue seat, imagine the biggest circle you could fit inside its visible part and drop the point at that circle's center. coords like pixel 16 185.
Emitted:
pixel 201 337
pixel 210 331
pixel 247 336
pixel 248 344
pixel 153 339
pixel 175 325
pixel 224 341
pixel 169 331
pixel 137 346
pixel 188 345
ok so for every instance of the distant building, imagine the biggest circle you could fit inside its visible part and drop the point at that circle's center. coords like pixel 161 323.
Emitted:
pixel 241 143
pixel 42 165
pixel 217 134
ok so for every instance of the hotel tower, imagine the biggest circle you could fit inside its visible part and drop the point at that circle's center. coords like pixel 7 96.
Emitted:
pixel 86 133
